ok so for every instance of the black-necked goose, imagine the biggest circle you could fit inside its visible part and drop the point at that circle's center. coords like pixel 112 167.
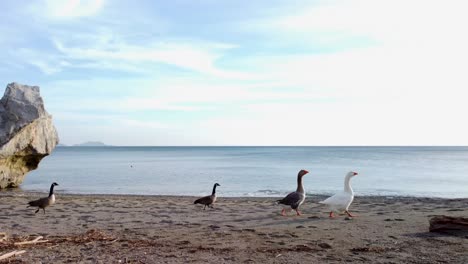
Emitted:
pixel 208 200
pixel 46 201
pixel 341 201
pixel 295 199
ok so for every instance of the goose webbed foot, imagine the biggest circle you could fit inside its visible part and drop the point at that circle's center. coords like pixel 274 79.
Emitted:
pixel 349 214
pixel 298 212
pixel 331 215
pixel 283 212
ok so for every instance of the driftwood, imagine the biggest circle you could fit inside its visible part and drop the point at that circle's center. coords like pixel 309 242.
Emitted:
pixel 37 240
pixel 12 254
pixel 448 224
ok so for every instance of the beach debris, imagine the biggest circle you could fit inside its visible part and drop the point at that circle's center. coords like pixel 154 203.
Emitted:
pixel 3 236
pixel 448 224
pixel 37 240
pixel 12 254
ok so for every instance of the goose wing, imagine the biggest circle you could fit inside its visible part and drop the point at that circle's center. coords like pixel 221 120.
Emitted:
pixel 204 200
pixel 341 199
pixel 39 202
pixel 291 199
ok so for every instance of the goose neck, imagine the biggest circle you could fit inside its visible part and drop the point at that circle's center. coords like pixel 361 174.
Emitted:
pixel 51 192
pixel 214 190
pixel 300 187
pixel 347 184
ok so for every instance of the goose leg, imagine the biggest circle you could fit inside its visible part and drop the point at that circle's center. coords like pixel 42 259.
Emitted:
pixel 204 207
pixel 37 210
pixel 349 214
pixel 283 212
pixel 331 214
pixel 298 212
pixel 43 210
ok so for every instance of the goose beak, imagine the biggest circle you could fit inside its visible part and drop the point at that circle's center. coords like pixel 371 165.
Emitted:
pixel 355 173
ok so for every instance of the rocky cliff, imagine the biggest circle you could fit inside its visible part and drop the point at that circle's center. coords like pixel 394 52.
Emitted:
pixel 26 133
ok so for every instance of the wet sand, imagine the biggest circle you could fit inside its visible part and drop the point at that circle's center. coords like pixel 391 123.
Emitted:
pixel 164 229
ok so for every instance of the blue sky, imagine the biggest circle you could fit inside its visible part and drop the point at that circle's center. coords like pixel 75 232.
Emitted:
pixel 243 72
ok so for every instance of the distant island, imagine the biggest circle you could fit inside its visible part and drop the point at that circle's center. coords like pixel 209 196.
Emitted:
pixel 91 144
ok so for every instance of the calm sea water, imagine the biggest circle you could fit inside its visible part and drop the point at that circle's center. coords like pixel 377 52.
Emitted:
pixel 253 171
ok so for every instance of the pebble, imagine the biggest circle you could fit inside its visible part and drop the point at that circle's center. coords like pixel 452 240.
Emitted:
pixel 324 245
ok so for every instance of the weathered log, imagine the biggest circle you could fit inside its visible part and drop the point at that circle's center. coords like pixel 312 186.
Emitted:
pixel 450 224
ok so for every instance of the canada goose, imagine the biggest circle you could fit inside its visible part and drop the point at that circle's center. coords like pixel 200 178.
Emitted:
pixel 295 199
pixel 208 200
pixel 341 201
pixel 46 201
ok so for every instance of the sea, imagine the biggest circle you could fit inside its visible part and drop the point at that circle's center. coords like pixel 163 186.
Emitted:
pixel 253 171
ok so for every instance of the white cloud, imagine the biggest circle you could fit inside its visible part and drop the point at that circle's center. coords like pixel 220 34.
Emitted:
pixel 407 88
pixel 60 9
pixel 113 52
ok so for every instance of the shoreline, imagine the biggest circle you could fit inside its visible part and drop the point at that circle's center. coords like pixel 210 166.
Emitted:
pixel 171 229
pixel 12 192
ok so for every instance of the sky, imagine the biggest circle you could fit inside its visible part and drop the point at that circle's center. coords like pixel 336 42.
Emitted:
pixel 277 72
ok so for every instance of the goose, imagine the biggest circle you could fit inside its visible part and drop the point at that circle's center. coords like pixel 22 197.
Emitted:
pixel 295 199
pixel 341 201
pixel 46 201
pixel 208 200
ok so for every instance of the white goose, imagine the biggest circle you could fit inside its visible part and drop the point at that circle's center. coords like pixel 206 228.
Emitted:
pixel 341 201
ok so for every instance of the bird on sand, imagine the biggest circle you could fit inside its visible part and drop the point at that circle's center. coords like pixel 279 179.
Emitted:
pixel 341 201
pixel 42 203
pixel 208 200
pixel 294 199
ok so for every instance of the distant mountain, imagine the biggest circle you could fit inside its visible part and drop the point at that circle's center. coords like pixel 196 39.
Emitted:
pixel 91 144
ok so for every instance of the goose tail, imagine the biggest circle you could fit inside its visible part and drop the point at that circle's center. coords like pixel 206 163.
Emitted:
pixel 32 203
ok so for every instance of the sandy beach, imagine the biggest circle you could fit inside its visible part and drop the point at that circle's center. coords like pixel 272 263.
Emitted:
pixel 164 229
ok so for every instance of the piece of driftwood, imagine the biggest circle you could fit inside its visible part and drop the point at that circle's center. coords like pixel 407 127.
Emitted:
pixel 451 224
pixel 37 240
pixel 12 254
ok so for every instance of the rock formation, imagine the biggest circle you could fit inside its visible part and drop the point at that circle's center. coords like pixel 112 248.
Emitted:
pixel 449 224
pixel 26 133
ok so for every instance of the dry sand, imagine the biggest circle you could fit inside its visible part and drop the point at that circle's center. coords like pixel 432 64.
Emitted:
pixel 162 229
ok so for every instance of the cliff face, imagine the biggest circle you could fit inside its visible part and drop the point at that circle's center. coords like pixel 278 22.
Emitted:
pixel 27 133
